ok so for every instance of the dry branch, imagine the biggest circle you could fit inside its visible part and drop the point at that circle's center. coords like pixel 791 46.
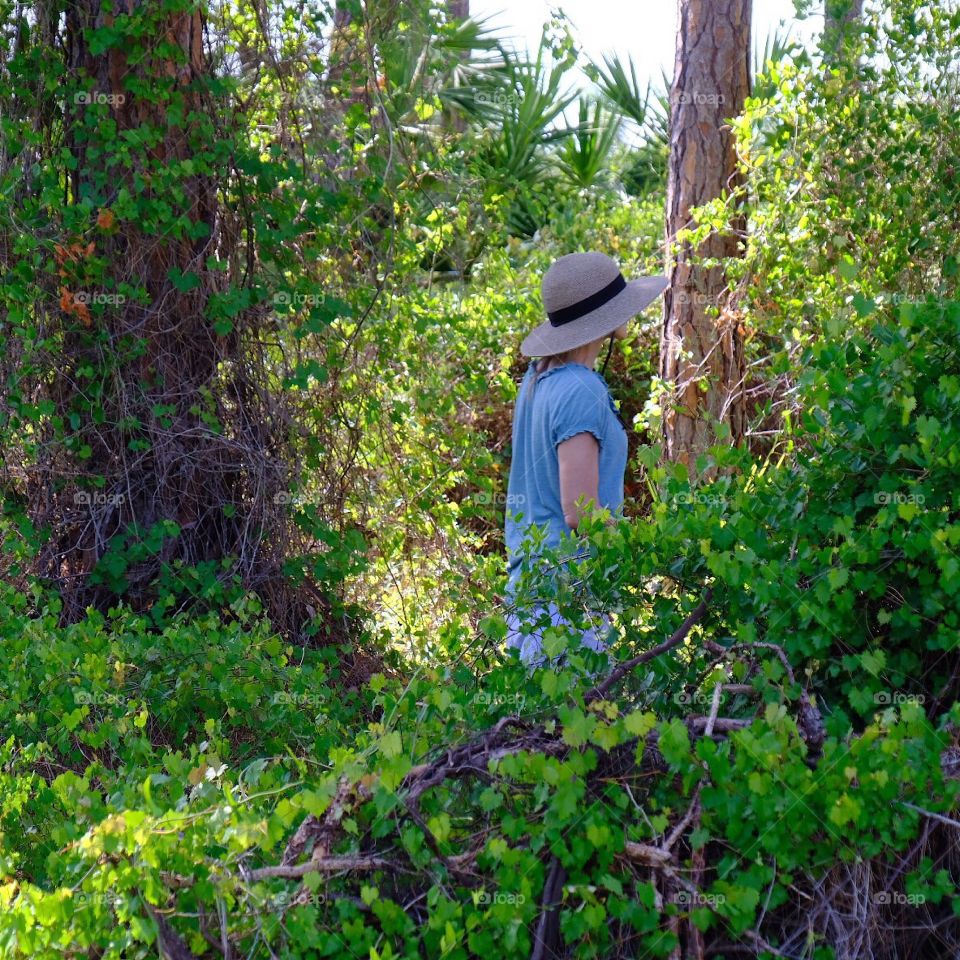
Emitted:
pixel 323 865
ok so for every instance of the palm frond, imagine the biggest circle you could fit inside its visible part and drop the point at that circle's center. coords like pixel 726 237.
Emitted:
pixel 623 89
pixel 586 153
pixel 777 46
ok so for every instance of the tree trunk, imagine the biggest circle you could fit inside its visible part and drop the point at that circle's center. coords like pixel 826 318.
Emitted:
pixel 182 446
pixel 164 481
pixel 343 51
pixel 840 17
pixel 701 356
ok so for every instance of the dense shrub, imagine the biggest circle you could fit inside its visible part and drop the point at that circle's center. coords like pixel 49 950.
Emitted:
pixel 771 768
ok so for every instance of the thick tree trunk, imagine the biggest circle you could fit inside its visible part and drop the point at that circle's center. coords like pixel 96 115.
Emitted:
pixel 701 356
pixel 181 449
pixel 166 479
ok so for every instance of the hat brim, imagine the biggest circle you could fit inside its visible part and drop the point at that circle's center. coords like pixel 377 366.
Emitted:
pixel 547 339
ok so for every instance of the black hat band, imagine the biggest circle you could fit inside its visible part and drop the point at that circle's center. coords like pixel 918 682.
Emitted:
pixel 582 307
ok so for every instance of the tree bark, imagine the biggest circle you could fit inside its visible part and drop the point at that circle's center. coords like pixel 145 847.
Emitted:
pixel 183 439
pixel 169 478
pixel 343 50
pixel 701 356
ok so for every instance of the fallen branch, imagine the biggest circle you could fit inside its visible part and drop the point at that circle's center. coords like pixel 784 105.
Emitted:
pixel 648 856
pixel 939 817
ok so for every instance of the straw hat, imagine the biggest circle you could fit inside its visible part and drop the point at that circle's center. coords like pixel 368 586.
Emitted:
pixel 586 298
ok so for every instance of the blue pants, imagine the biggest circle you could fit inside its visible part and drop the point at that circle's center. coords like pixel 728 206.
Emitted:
pixel 530 645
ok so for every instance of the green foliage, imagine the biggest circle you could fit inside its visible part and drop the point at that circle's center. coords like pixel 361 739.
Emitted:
pixel 160 772
pixel 822 208
pixel 164 770
pixel 188 758
pixel 585 155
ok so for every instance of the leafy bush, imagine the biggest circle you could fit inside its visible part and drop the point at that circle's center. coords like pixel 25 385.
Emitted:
pixel 171 780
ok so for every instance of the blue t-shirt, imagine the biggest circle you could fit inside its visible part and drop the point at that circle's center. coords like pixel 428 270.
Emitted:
pixel 566 400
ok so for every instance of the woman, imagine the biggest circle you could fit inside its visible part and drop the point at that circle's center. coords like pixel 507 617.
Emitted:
pixel 569 444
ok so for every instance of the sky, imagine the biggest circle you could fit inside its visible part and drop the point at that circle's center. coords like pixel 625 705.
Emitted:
pixel 643 29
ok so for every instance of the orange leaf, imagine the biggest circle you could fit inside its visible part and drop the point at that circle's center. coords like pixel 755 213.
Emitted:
pixel 106 219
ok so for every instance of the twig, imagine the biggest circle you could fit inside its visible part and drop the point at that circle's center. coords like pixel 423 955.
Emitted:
pixel 714 710
pixel 718 648
pixel 927 813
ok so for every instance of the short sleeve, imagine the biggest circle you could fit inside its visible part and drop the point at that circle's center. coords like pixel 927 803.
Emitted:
pixel 581 404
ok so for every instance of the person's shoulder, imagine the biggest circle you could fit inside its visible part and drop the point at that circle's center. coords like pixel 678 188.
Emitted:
pixel 574 378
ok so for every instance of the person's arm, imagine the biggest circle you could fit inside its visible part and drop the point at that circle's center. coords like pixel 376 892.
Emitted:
pixel 579 460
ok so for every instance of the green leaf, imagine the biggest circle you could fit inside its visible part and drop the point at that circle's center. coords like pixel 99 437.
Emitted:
pixel 845 810
pixel 674 742
pixel 391 744
pixel 640 723
pixel 837 577
pixel 847 267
